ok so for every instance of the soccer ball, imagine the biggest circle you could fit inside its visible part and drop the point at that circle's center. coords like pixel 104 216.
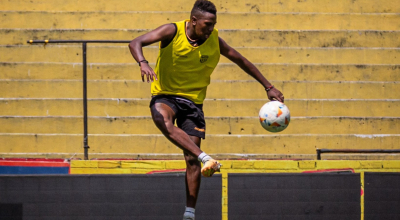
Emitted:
pixel 274 116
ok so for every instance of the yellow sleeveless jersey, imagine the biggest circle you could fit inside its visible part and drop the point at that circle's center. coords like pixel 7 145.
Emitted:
pixel 185 70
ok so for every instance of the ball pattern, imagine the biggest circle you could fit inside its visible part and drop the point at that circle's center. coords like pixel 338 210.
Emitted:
pixel 274 116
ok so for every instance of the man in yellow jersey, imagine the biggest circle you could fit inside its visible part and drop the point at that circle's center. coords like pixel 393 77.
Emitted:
pixel 189 52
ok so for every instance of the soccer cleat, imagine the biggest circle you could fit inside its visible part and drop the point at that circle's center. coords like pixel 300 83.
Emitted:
pixel 188 216
pixel 210 167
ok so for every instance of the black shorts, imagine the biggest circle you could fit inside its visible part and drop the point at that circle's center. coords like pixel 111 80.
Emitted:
pixel 189 116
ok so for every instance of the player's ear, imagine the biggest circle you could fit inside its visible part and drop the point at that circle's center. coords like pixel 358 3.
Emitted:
pixel 194 20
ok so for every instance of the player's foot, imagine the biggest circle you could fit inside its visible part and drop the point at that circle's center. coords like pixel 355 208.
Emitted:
pixel 210 167
pixel 188 215
pixel 188 218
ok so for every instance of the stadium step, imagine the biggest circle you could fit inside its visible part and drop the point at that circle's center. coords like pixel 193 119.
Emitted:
pixel 335 61
pixel 257 6
pixel 121 54
pixel 283 72
pixel 212 108
pixel 235 38
pixel 218 89
pixel 152 146
pixel 151 20
pixel 215 125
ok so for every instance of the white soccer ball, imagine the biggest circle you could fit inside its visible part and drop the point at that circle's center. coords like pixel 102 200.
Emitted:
pixel 274 116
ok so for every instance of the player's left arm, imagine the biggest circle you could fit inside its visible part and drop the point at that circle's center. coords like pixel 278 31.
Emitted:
pixel 249 68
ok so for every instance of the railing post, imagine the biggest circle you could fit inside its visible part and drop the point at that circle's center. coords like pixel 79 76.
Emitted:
pixel 318 154
pixel 85 117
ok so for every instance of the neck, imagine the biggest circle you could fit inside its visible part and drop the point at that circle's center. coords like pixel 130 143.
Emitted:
pixel 188 29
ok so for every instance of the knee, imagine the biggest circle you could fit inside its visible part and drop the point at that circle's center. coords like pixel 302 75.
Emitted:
pixel 192 163
pixel 166 126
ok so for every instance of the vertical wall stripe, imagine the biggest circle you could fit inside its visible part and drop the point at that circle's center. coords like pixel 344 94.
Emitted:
pixel 224 195
pixel 362 195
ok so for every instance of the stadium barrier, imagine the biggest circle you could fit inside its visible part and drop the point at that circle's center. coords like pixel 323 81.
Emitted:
pixel 264 167
pixel 259 188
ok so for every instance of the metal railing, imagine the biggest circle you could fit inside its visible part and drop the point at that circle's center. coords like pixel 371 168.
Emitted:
pixel 84 64
pixel 321 151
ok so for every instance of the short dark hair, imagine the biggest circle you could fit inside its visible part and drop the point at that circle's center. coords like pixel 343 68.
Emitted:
pixel 204 6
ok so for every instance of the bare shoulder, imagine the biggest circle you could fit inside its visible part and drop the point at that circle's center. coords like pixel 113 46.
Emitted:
pixel 223 47
pixel 167 30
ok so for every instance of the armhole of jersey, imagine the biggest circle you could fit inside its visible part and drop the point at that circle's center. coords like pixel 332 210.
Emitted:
pixel 176 30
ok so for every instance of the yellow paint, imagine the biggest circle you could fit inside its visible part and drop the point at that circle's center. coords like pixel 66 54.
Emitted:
pixel 146 20
pixel 180 164
pixel 224 195
pixel 325 6
pixel 270 55
pixel 235 38
pixel 371 164
pixel 362 196
pixel 131 71
pixel 338 164
pixel 109 164
pixel 216 90
pixel 307 164
pixel 305 90
pixel 143 165
pixel 391 164
pixel 275 165
pixel 212 108
pixel 139 146
pixel 242 166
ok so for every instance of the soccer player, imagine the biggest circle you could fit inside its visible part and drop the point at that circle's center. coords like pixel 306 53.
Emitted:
pixel 189 52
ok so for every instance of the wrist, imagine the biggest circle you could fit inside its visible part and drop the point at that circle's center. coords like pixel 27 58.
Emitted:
pixel 268 88
pixel 143 61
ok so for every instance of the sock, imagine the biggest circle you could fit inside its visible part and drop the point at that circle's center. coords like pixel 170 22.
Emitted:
pixel 203 157
pixel 189 213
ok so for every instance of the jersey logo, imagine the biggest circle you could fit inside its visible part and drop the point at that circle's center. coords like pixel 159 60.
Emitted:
pixel 203 58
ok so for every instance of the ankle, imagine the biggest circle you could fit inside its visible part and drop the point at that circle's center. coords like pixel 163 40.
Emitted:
pixel 203 157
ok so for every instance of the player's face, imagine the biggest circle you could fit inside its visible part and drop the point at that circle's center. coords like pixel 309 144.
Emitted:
pixel 205 25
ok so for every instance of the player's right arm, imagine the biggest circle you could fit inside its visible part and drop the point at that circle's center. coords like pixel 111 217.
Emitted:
pixel 164 33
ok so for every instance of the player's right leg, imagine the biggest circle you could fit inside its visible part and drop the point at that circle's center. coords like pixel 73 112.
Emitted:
pixel 163 117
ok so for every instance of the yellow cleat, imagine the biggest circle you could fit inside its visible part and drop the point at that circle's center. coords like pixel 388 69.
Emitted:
pixel 210 167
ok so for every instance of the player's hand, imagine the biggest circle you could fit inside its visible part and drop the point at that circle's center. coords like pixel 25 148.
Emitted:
pixel 275 94
pixel 147 72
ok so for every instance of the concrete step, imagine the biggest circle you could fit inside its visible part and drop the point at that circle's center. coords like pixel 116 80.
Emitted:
pixel 121 54
pixel 217 90
pixel 151 20
pixel 235 38
pixel 156 146
pixel 212 108
pixel 343 6
pixel 215 125
pixel 285 72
